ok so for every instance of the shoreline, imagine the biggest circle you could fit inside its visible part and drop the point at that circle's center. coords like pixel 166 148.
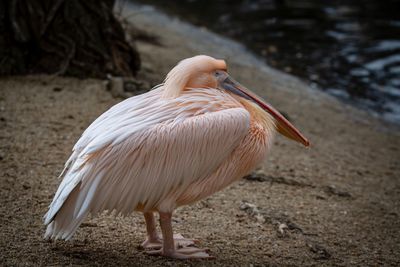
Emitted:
pixel 164 14
pixel 203 41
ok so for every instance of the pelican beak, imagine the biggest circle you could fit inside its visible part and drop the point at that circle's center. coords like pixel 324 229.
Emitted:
pixel 283 126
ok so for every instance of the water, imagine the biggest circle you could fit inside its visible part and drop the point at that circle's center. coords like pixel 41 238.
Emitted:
pixel 350 49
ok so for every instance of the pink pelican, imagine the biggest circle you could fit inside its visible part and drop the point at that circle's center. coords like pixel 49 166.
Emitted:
pixel 184 140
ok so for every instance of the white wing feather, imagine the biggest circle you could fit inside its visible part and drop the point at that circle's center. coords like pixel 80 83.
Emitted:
pixel 141 151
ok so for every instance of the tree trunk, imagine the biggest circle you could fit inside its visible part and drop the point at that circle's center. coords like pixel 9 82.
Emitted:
pixel 66 37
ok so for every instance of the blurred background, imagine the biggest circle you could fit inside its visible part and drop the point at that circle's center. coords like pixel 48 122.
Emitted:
pixel 351 49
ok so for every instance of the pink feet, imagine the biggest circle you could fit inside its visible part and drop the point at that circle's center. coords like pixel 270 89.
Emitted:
pixel 173 246
pixel 184 248
pixel 179 240
pixel 152 243
pixel 183 253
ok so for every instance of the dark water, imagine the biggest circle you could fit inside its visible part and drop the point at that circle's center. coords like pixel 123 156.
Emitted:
pixel 350 49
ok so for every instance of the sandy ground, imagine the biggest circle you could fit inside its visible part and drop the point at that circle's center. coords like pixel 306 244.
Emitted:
pixel 337 203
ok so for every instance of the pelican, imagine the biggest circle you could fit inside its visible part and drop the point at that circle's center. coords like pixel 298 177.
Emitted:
pixel 179 143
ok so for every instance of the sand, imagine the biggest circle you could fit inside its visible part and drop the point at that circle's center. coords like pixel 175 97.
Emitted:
pixel 336 203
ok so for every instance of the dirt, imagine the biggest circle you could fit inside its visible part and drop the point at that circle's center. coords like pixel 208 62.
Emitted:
pixel 335 204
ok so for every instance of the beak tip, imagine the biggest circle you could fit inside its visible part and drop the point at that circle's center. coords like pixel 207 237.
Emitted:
pixel 307 143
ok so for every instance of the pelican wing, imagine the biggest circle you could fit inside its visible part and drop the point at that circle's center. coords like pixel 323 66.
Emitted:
pixel 141 151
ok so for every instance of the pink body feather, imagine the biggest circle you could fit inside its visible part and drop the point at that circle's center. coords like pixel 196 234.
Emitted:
pixel 155 152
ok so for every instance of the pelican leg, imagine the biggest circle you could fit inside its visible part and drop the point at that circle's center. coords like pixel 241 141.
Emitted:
pixel 153 241
pixel 169 250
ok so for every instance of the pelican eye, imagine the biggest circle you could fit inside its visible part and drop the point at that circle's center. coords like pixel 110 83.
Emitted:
pixel 217 73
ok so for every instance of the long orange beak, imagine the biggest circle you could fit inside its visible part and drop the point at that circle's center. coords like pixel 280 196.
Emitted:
pixel 283 126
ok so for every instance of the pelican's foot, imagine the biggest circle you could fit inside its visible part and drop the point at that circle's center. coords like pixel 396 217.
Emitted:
pixel 152 243
pixel 179 240
pixel 183 253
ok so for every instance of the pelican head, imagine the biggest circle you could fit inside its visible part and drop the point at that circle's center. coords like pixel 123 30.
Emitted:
pixel 207 72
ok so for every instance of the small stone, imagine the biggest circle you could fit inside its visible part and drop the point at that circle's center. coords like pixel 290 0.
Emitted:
pixel 322 253
pixel 282 227
pixel 116 86
pixel 332 190
pixel 260 218
pixel 26 187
